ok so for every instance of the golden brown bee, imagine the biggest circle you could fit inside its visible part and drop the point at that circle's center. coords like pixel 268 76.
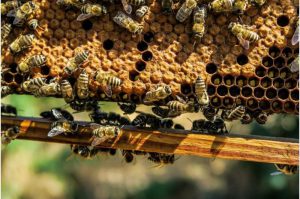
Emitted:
pixel 8 6
pixel 259 2
pixel 103 133
pixel 221 5
pixel 243 34
pixel 294 66
pixel 142 11
pixel 285 169
pixel 295 38
pixel 50 89
pixel 21 43
pixel 161 92
pixel 240 6
pixel 6 90
pixel 136 2
pixel 22 12
pixel 5 30
pixel 62 126
pixel 33 24
pixel 31 62
pixel 107 81
pixel 166 6
pixel 181 106
pixel 67 91
pixel 235 114
pixel 91 10
pixel 126 22
pixel 32 85
pixel 200 14
pixel 82 85
pixel 128 155
pixel 186 10
pixel 70 3
pixel 76 62
pixel 200 91
pixel 10 134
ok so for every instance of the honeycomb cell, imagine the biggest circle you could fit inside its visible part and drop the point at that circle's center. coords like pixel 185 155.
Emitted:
pixel 264 105
pixel 241 81
pixel 186 89
pixel 296 52
pixel 289 107
pixel 259 92
pixel 283 93
pixel 147 56
pixel 216 79
pixel 142 46
pixel 133 75
pixel 13 67
pixel 287 52
pixel 242 59
pixel 273 72
pixel 253 81
pixel 87 25
pixel 267 61
pixel 108 44
pixel 289 61
pixel 247 91
pixel 274 52
pixel 279 62
pixel 211 90
pixel 271 93
pixel 216 101
pixel 222 90
pixel 276 106
pixel 140 65
pixel 252 103
pixel 45 70
pixel 234 91
pixel 228 102
pixel 229 80
pixel 211 68
pixel 285 73
pixel 290 83
pixel 260 71
pixel 283 20
pixel 295 95
pixel 8 77
pixel 266 82
pixel 18 78
pixel 278 82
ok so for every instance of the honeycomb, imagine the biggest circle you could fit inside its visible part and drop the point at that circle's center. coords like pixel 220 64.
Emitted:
pixel 258 78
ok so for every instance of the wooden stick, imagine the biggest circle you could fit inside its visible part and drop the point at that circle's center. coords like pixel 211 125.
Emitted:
pixel 234 147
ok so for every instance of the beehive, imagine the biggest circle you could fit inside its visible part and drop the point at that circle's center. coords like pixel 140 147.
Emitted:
pixel 164 54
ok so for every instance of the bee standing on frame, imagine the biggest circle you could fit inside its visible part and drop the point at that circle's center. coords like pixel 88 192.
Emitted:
pixel 8 109
pixel 166 6
pixel 21 43
pixel 161 92
pixel 32 85
pixel 181 106
pixel 294 66
pixel 221 5
pixel 82 85
pixel 186 10
pixel 128 156
pixel 31 62
pixel 285 169
pixel 67 91
pixel 200 91
pixel 5 30
pixel 295 38
pixel 70 3
pixel 128 108
pixel 8 6
pixel 10 134
pixel 75 62
pixel 235 114
pixel 142 11
pixel 91 10
pixel 23 12
pixel 243 34
pixel 103 133
pixel 136 2
pixel 198 29
pixel 108 81
pixel 128 23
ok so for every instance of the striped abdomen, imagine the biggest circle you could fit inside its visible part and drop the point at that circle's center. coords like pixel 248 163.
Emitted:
pixel 136 2
pixel 81 57
pixel 237 113
pixel 177 106
pixel 83 85
pixel 37 60
pixel 67 91
pixel 199 87
pixel 113 81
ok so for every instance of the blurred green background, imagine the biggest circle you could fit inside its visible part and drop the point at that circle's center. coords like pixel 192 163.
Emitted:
pixel 34 170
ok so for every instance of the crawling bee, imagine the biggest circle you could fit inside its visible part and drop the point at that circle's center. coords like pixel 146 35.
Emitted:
pixel 220 126
pixel 91 10
pixel 200 14
pixel 75 62
pixel 70 3
pixel 181 106
pixel 200 91
pixel 142 11
pixel 294 66
pixel 235 114
pixel 82 85
pixel 21 43
pixel 285 169
pixel 62 125
pixel 57 114
pixel 5 30
pixel 67 91
pixel 104 133
pixel 240 6
pixel 128 23
pixel 161 159
pixel 209 113
pixel 221 5
pixel 186 10
pixel 50 89
pixel 23 12
pixel 161 92
pixel 8 110
pixel 295 38
pixel 144 119
pixel 108 81
pixel 83 151
pixel 136 2
pixel 31 62
pixel 262 118
pixel 164 113
pixel 166 123
pixel 32 85
pixel 166 6
pixel 33 24
pixel 86 105
pixel 8 6
pixel 178 126
pixel 99 116
pixel 10 134
pixel 6 90
pixel 243 34
pixel 258 2
pixel 128 108
pixel 128 156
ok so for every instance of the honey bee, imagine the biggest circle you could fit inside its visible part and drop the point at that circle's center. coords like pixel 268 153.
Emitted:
pixel 161 92
pixel 235 114
pixel 142 11
pixel 200 14
pixel 32 85
pixel 5 30
pixel 294 66
pixel 6 90
pixel 166 123
pixel 259 2
pixel 200 91
pixel 126 6
pixel 22 12
pixel 91 10
pixel 295 38
pixel 209 113
pixel 128 23
pixel 108 81
pixel 221 5
pixel 10 134
pixel 186 10
pixel 164 113
pixel 8 109
pixel 243 34
pixel 166 6
pixel 161 159
pixel 75 62
pixel 21 43
pixel 31 62
pixel 62 125
pixel 50 89
pixel 70 3
pixel 182 107
pixel 246 119
pixel 85 105
pixel 178 126
pixel 33 24
pixel 104 133
pixel 128 155
pixel 8 6
pixel 57 114
pixel 144 119
pixel 240 6
pixel 285 169
pixel 136 2
pixel 128 108
pixel 67 91
pixel 84 151
pixel 82 85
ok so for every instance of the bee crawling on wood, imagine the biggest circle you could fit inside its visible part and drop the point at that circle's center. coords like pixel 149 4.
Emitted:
pixel 160 92
pixel 91 10
pixel 107 81
pixel 128 23
pixel 221 5
pixel 103 133
pixel 161 159
pixel 85 152
pixel 186 10
pixel 285 169
pixel 128 155
pixel 57 114
pixel 128 108
pixel 23 12
pixel 7 109
pixel 76 62
pixel 144 119
pixel 21 43
pixel 10 134
pixel 84 105
pixel 31 62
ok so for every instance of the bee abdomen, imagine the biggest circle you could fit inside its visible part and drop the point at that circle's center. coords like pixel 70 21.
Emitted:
pixel 200 86
pixel 81 57
pixel 37 60
pixel 237 113
pixel 114 81
pixel 175 105
pixel 136 2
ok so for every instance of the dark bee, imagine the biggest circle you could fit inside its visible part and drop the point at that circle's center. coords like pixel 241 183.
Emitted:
pixel 209 112
pixel 164 113
pixel 144 119
pixel 10 134
pixel 137 152
pixel 285 169
pixel 140 120
pixel 166 123
pixel 128 108
pixel 220 125
pixel 99 116
pixel 86 105
pixel 246 119
pixel 8 110
pixel 128 156
pixel 56 114
pixel 261 118
pixel 124 121
pixel 178 126
pixel 85 151
pixel 161 158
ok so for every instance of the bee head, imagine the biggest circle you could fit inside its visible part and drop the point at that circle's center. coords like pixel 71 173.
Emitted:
pixel 33 5
pixel 168 90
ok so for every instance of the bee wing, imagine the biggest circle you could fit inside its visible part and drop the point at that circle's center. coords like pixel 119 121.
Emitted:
pixel 180 99
pixel 243 42
pixel 11 13
pixel 294 66
pixel 57 114
pixel 295 38
pixel 276 173
pixel 107 90
pixel 56 131
pixel 173 113
pixel 127 7
pixel 96 141
pixel 83 17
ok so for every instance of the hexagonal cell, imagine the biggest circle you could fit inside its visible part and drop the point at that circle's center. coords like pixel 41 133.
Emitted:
pixel 267 61
pixel 211 68
pixel 260 71
pixel 252 103
pixel 108 44
pixel 135 98
pixel 215 101
pixel 234 91
pixel 148 37
pixel 283 21
pixel 211 90
pixel 45 70
pixel 133 75
pixel 242 59
pixel 247 91
pixel 241 81
pixel 18 78
pixel 283 93
pixel 285 73
pixel 290 83
pixel 222 90
pixel 264 105
pixel 228 102
pixel 87 25
pixel 295 95
pixel 259 92
pixel 289 107
pixel 186 89
pixel 278 82
pixel 240 101
pixel 276 106
pixel 296 52
pixel 147 56
pixel 13 68
pixel 271 93
pixel 273 72
pixel 216 79
pixel 266 82
pixel 279 62
pixel 142 46
pixel 274 51
pixel 253 81
pixel 8 77
pixel 229 80
pixel 287 52
pixel 140 65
